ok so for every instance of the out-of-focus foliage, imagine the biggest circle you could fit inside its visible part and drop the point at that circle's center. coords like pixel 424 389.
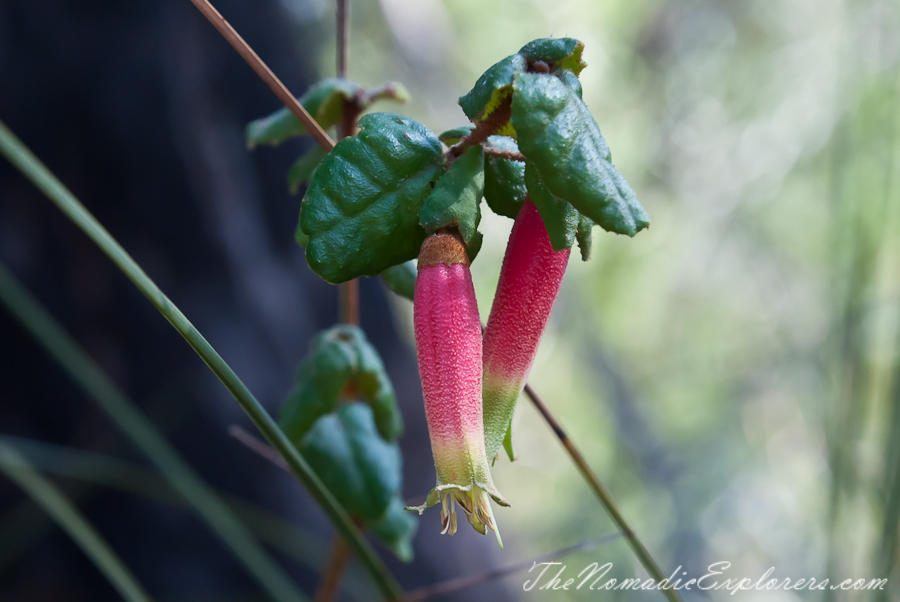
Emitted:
pixel 730 372
pixel 342 416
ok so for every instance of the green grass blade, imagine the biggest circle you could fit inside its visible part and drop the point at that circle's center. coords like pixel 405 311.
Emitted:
pixel 147 438
pixel 17 468
pixel 25 161
pixel 107 471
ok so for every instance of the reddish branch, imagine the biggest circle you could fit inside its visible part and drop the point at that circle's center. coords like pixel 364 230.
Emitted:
pixel 492 151
pixel 485 128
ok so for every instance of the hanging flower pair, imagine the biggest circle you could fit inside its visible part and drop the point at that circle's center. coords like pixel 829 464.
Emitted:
pixel 470 383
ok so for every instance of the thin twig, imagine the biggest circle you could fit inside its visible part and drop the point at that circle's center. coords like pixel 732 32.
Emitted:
pixel 493 151
pixel 466 581
pixel 330 583
pixel 348 292
pixel 484 129
pixel 258 446
pixel 264 73
pixel 343 37
pixel 606 499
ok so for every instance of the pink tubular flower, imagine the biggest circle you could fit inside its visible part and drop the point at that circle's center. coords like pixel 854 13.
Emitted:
pixel 529 282
pixel 448 345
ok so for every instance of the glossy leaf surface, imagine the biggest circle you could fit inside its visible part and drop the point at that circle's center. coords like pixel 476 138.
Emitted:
pixel 455 201
pixel 324 101
pixel 401 278
pixel 451 137
pixel 304 168
pixel 557 133
pixel 492 88
pixel 504 179
pixel 560 217
pixel 361 209
pixel 563 53
pixel 337 357
pixel 360 468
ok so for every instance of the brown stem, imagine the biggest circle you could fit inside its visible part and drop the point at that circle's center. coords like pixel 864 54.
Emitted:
pixel 348 292
pixel 265 74
pixel 492 151
pixel 605 498
pixel 485 128
pixel 343 37
pixel 334 570
pixel 348 298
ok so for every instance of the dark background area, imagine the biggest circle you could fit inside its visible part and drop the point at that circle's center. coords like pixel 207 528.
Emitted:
pixel 139 109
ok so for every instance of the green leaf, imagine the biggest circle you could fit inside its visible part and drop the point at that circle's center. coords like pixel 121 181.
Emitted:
pixel 361 209
pixel 396 529
pixel 564 53
pixel 492 89
pixel 569 79
pixel 393 91
pixel 558 134
pixel 324 101
pixel 401 278
pixel 508 445
pixel 299 235
pixel 455 201
pixel 451 137
pixel 560 217
pixel 336 357
pixel 304 169
pixel 504 179
pixel 360 468
pixel 474 245
pixel 583 235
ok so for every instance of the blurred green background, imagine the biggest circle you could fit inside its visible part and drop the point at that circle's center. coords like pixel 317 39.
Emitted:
pixel 731 373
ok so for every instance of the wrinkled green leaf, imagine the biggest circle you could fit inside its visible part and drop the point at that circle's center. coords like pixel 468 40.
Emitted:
pixel 451 137
pixel 569 79
pixel 300 236
pixel 396 529
pixel 324 101
pixel 560 217
pixel 401 278
pixel 492 89
pixel 558 134
pixel 583 235
pixel 360 468
pixel 563 53
pixel 504 179
pixel 361 209
pixel 337 356
pixel 304 168
pixel 474 246
pixel 455 201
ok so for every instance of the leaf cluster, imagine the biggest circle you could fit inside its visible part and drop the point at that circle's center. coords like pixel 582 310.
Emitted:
pixel 342 416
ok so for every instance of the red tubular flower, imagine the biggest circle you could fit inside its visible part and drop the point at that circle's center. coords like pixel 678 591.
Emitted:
pixel 529 282
pixel 448 345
